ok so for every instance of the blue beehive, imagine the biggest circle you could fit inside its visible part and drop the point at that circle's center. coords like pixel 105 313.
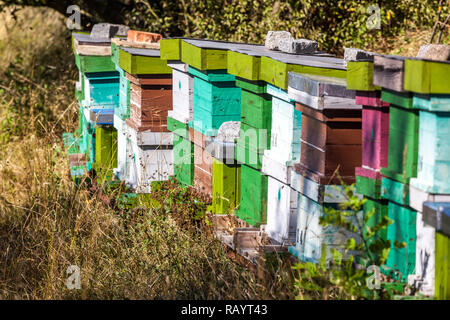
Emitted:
pixel 216 100
pixel 433 167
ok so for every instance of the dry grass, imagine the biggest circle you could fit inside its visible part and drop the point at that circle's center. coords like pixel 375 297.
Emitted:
pixel 48 224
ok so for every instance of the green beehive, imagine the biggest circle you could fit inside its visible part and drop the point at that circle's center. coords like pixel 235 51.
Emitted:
pixel 368 187
pixel 401 260
pixel 395 191
pixel 226 190
pixel 442 268
pixel 183 160
pixel 105 152
pixel 256 122
pixel 256 109
pixel 253 203
pixel 380 210
pixel 403 144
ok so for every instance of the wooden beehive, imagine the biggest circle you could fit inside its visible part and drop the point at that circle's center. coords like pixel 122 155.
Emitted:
pixel 433 167
pixel 182 92
pixel 331 135
pixel 216 100
pixel 150 101
pixel 403 144
pixel 226 189
pixel 282 208
pixel 330 142
pixel 253 203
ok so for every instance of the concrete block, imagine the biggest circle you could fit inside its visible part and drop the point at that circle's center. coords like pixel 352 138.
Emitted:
pixel 273 38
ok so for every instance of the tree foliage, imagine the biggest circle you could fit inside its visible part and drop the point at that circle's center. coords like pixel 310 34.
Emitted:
pixel 333 23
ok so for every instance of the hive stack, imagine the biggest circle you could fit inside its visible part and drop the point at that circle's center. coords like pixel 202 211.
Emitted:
pixel 401 164
pixel 375 137
pixel 93 145
pixel 146 84
pixel 215 100
pixel 182 112
pixel 256 67
pixel 277 164
pixel 436 215
pixel 426 80
pixel 226 190
pixel 330 144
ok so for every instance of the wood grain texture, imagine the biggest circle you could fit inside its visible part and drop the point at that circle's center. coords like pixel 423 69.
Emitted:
pixel 276 72
pixel 143 37
pixel 360 76
pixel 226 191
pixel 375 137
pixel 423 76
pixel 143 61
pixel 282 208
pixel 433 167
pixel 442 273
pixel 370 99
pixel 253 203
pixel 395 191
pixel 403 144
pixel 403 229
pixel 388 73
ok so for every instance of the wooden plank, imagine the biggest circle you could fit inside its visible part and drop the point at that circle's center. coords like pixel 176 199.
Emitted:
pixel 77 159
pixel 276 72
pixel 395 191
pixel 424 278
pixel 183 95
pixel 178 128
pixel 143 61
pixel 370 98
pixel 401 99
pixel 130 44
pixel 388 73
pixel 282 204
pixel 253 202
pixel 433 167
pixel 424 76
pixel 319 86
pixel 442 282
pixel 243 65
pixel 368 186
pixel 360 76
pixel 252 86
pixel 401 261
pixel 375 137
pixel 183 160
pixel 437 215
pixel 202 181
pixel 87 64
pixel 321 166
pixel 432 102
pixel 143 37
pixel 203 59
pixel 226 187
pixel 403 144
pixel 311 236
pixel 91 50
pixel 286 131
pixel 418 197
pixel 256 109
pixel 320 193
pixel 171 49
